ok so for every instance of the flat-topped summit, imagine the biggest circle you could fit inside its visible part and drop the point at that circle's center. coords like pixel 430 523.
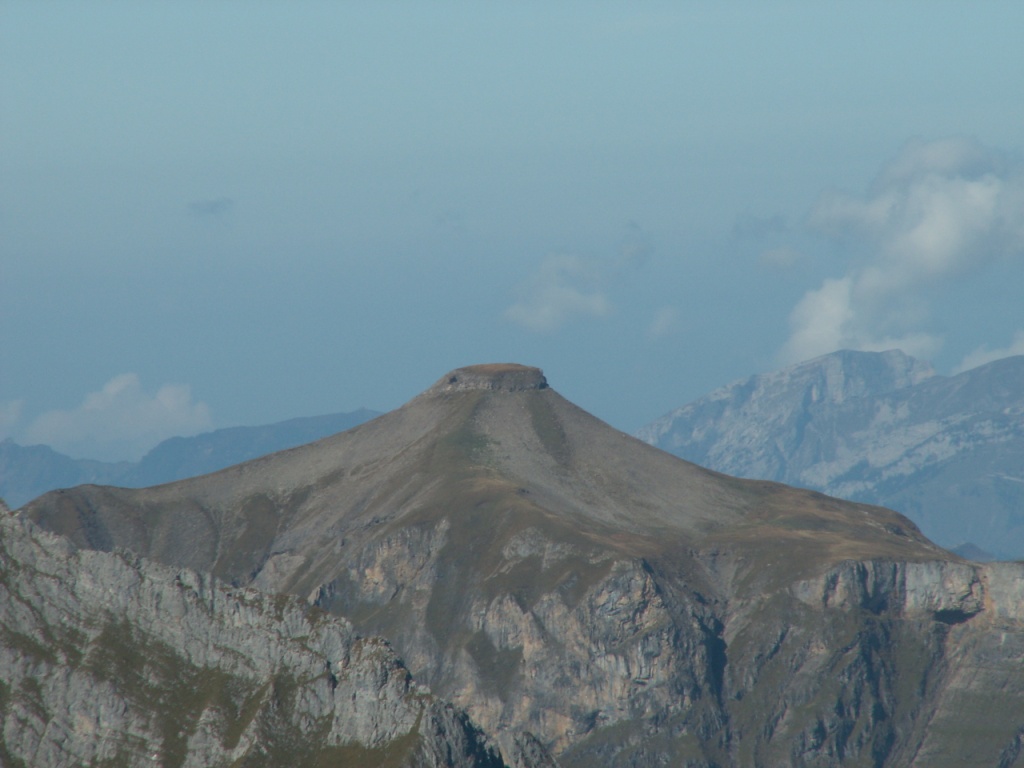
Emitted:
pixel 500 377
pixel 581 592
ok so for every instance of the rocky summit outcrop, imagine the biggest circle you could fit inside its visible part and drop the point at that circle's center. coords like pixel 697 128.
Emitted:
pixel 579 591
pixel 875 427
pixel 497 377
pixel 106 659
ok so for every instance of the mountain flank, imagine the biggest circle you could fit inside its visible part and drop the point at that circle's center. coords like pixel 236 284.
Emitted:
pixel 880 428
pixel 571 586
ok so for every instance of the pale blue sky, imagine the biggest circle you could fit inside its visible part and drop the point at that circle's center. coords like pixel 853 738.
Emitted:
pixel 230 213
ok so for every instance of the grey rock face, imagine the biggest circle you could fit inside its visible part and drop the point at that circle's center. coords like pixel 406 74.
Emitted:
pixel 106 659
pixel 588 643
pixel 618 661
pixel 902 664
pixel 879 428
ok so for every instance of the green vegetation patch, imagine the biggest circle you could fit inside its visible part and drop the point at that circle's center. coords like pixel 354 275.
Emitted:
pixel 462 447
pixel 499 668
pixel 281 742
pixel 29 646
pixel 673 741
pixel 151 675
pixel 395 754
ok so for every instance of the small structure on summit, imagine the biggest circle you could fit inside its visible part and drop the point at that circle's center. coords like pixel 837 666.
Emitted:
pixel 500 377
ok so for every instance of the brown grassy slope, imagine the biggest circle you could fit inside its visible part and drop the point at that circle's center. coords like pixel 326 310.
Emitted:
pixel 481 437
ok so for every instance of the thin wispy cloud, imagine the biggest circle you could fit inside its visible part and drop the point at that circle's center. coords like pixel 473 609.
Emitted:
pixel 568 286
pixel 664 322
pixel 830 318
pixel 984 354
pixel 938 211
pixel 635 247
pixel 747 225
pixel 10 415
pixel 211 209
pixel 120 421
pixel 781 258
pixel 563 288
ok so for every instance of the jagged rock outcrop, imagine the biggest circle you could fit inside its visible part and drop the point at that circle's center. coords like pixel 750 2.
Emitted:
pixel 106 659
pixel 579 591
pixel 875 427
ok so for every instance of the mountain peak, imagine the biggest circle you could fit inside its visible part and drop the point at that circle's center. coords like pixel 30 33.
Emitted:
pixel 502 377
pixel 505 539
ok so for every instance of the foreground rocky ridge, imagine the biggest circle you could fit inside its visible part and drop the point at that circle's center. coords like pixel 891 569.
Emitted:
pixel 620 661
pixel 555 577
pixel 106 659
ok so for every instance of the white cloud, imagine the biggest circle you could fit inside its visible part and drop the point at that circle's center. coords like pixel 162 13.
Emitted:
pixel 216 208
pixel 635 248
pixel 564 286
pixel 780 258
pixel 121 421
pixel 10 415
pixel 821 321
pixel 983 354
pixel 747 225
pixel 663 323
pixel 828 319
pixel 938 211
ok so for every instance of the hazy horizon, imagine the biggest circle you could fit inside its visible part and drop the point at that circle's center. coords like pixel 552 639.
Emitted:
pixel 234 214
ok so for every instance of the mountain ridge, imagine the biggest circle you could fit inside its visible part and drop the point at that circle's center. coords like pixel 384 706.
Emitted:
pixel 943 450
pixel 563 581
pixel 30 471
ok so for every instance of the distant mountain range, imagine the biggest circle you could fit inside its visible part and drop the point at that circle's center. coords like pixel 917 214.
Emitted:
pixel 29 471
pixel 875 427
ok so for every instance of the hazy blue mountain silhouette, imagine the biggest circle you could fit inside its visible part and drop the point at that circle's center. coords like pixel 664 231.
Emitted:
pixel 29 471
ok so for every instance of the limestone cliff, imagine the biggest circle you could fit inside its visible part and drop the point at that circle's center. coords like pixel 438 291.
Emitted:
pixel 106 659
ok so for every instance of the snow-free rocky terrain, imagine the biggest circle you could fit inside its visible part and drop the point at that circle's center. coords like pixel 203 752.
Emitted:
pixel 576 590
pixel 107 659
pixel 876 427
